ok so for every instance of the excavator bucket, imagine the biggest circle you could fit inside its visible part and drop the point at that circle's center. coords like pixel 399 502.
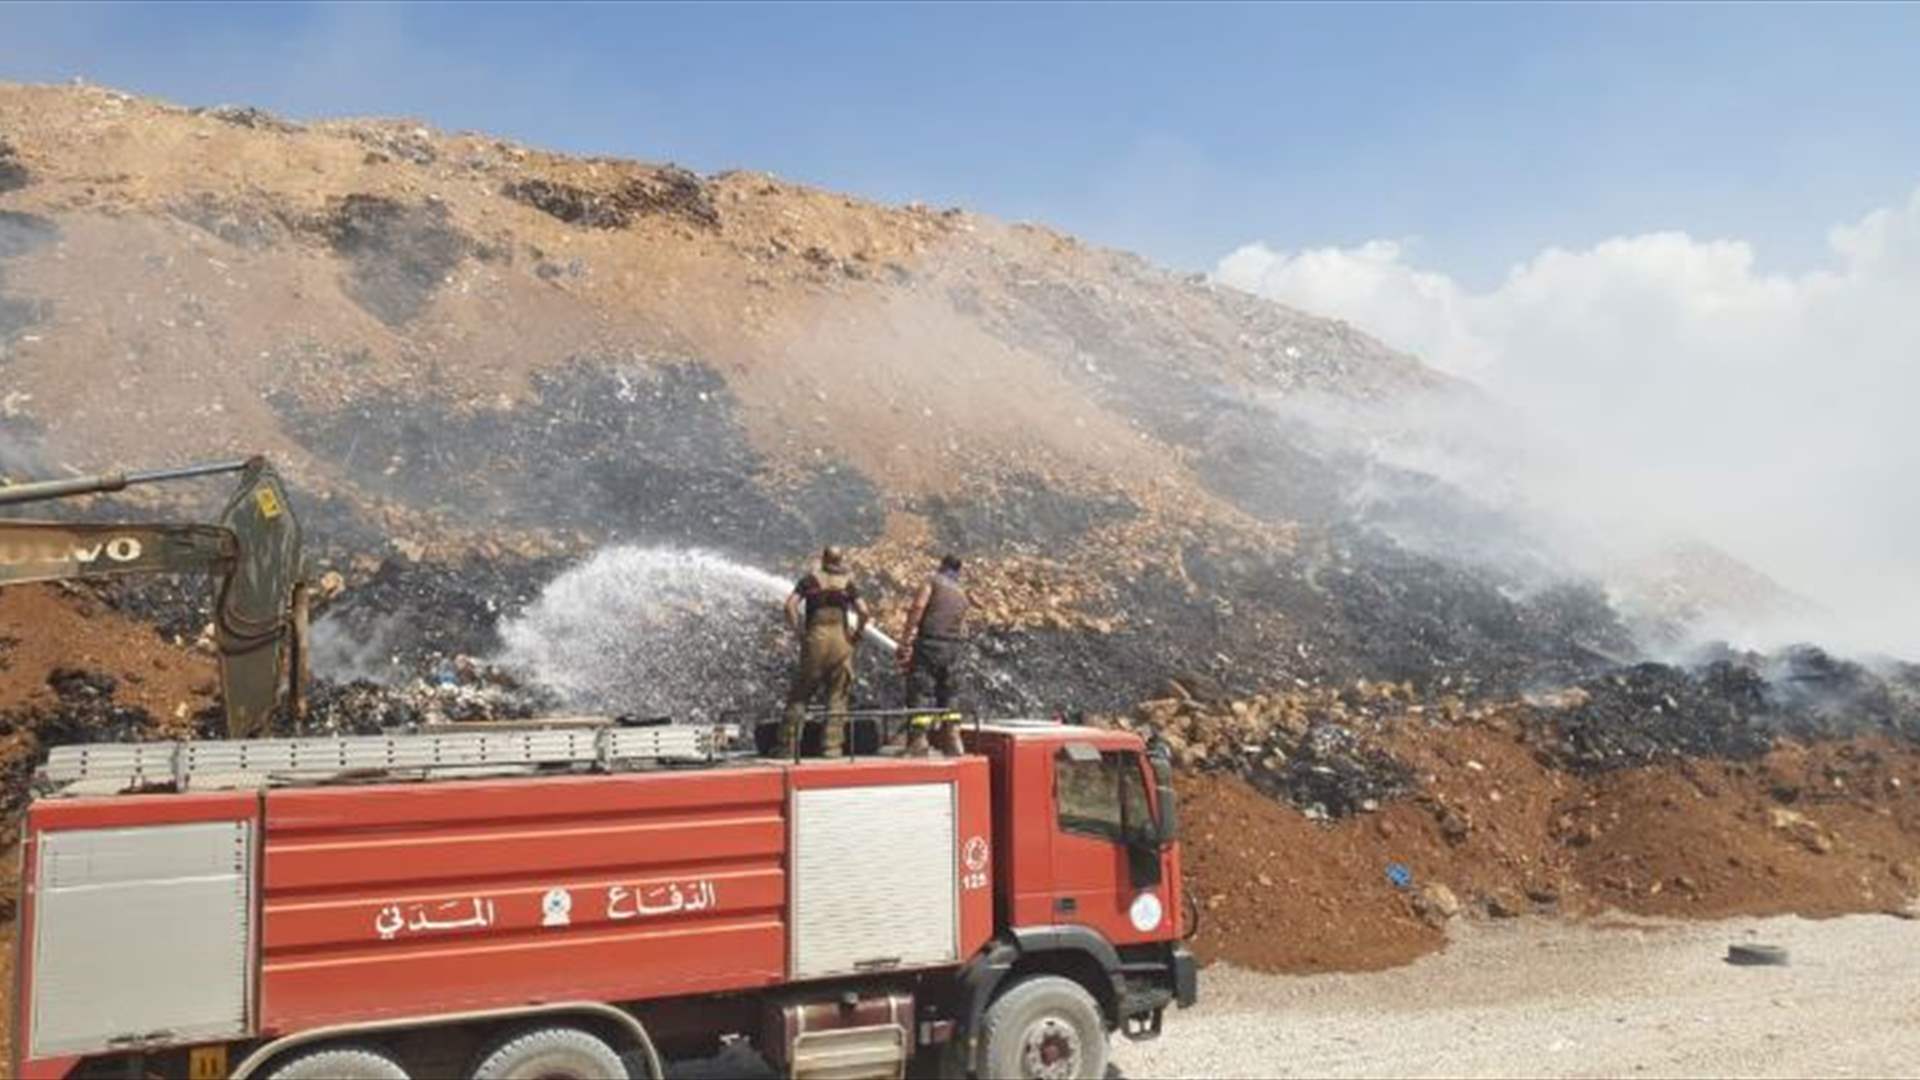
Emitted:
pixel 254 607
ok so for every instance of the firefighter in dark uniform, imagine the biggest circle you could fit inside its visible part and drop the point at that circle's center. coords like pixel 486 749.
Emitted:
pixel 930 653
pixel 825 609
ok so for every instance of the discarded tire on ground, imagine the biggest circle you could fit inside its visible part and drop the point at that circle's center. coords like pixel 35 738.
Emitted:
pixel 550 1053
pixel 339 1063
pixel 1044 1028
pixel 1756 955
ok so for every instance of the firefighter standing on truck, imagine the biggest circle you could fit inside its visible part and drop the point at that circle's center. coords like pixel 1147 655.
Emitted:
pixel 826 610
pixel 930 653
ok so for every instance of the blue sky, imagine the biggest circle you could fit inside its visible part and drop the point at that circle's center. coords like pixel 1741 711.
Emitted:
pixel 1478 134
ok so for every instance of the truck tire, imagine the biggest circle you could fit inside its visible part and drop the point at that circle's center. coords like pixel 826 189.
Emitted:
pixel 1044 1028
pixel 339 1063
pixel 550 1053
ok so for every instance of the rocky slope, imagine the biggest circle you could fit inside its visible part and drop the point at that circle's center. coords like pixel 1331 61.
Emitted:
pixel 480 362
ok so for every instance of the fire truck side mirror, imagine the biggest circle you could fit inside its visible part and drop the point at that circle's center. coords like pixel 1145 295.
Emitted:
pixel 1151 837
pixel 1167 822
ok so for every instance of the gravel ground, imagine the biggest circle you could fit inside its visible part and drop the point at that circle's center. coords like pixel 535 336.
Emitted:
pixel 1539 998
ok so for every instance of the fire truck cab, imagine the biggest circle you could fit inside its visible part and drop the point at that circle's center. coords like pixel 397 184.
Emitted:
pixel 550 904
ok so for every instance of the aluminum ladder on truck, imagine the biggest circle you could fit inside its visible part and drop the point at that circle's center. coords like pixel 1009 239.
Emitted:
pixel 463 751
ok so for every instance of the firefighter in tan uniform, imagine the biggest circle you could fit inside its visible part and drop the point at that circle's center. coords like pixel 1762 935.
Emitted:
pixel 826 610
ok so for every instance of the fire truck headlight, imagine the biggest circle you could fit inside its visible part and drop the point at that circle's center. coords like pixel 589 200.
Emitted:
pixel 1146 912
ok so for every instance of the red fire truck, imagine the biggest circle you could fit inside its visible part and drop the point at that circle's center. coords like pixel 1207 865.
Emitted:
pixel 584 900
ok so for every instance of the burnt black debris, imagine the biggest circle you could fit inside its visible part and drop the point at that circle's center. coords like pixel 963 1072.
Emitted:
pixel 669 192
pixel 244 223
pixel 461 690
pixel 72 683
pixel 1730 707
pixel 355 707
pixel 179 607
pixel 1650 713
pixel 573 205
pixel 1249 618
pixel 673 192
pixel 1817 694
pixel 398 254
pixel 410 617
pixel 1317 749
pixel 84 711
pixel 1024 515
pixel 1328 772
pixel 1445 624
pixel 647 453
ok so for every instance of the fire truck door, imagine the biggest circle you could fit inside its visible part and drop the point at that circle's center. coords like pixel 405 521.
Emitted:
pixel 1107 867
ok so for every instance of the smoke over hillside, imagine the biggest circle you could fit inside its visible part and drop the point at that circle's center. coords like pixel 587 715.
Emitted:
pixel 1672 389
pixel 482 366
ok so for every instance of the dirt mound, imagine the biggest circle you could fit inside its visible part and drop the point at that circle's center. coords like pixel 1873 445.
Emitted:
pixel 1816 830
pixel 1495 829
pixel 1276 892
pixel 45 630
pixel 74 670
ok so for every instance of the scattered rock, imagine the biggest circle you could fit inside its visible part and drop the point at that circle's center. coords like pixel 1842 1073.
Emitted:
pixel 669 191
pixel 1502 904
pixel 1437 901
pixel 1802 829
pixel 1454 825
pixel 248 116
pixel 1754 955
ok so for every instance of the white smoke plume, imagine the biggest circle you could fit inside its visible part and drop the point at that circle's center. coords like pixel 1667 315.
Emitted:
pixel 1691 393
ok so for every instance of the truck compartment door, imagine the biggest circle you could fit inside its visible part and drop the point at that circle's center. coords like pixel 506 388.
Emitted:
pixel 874 879
pixel 141 934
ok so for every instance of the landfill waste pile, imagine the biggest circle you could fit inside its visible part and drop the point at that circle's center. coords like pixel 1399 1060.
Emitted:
pixel 1317 750
pixel 1725 708
pixel 465 692
pixel 479 364
pixel 562 432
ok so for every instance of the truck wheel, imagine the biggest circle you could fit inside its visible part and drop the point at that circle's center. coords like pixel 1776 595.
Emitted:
pixel 1044 1028
pixel 550 1053
pixel 339 1063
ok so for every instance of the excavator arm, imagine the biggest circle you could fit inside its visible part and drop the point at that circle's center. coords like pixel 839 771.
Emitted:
pixel 57 551
pixel 252 555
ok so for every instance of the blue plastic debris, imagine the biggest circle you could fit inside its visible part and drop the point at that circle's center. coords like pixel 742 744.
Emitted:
pixel 1399 875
